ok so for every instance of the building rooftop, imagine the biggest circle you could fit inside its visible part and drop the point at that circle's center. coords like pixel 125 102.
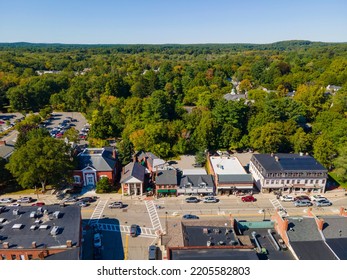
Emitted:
pixel 133 169
pixel 288 162
pixel 335 227
pixel 195 171
pixel 240 178
pixel 99 159
pixel 338 245
pixel 166 177
pixel 226 165
pixel 6 149
pixel 196 180
pixel 213 254
pixel 303 229
pixel 32 218
pixel 312 250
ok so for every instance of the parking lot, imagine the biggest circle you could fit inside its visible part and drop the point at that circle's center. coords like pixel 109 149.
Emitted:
pixel 7 120
pixel 59 122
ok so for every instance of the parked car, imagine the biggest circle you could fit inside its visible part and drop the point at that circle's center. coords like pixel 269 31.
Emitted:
pixel 152 252
pixel 14 205
pixel 2 209
pixel 81 203
pixel 88 199
pixel 190 217
pixel 302 203
pixel 248 198
pixel 287 198
pixel 317 197
pixel 38 204
pixel 25 199
pixel 192 199
pixel 134 230
pixel 116 204
pixel 302 197
pixel 210 199
pixel 7 200
pixel 322 203
pixel 71 199
pixel 97 240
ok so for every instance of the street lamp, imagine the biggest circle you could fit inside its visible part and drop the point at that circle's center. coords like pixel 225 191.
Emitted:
pixel 262 211
pixel 166 223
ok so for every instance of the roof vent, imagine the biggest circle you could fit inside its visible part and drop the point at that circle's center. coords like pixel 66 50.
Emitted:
pixel 5 245
pixel 15 212
pixel 43 227
pixel 277 158
pixel 33 214
pixel 55 230
pixel 2 220
pixel 56 214
pixel 39 210
pixel 33 227
pixel 37 221
pixel 17 226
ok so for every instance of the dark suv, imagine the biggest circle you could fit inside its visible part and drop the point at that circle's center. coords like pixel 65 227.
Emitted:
pixel 134 230
pixel 152 252
pixel 192 199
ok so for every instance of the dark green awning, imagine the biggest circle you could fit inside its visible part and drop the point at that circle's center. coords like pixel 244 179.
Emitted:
pixel 166 191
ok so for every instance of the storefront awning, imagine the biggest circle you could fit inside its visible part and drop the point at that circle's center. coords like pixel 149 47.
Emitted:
pixel 166 191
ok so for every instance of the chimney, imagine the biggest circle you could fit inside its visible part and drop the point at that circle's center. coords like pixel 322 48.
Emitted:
pixel 68 243
pixel 277 158
pixel 33 244
pixel 2 142
pixel 272 154
pixel 5 245
pixel 114 153
pixel 301 154
pixel 320 224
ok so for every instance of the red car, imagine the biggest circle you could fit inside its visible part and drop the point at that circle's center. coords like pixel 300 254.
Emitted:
pixel 302 197
pixel 248 198
pixel 38 204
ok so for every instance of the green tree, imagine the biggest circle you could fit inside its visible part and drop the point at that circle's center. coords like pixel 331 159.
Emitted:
pixel 340 164
pixel 103 185
pixel 125 151
pixel 301 141
pixel 5 175
pixel 41 160
pixel 72 135
pixel 324 151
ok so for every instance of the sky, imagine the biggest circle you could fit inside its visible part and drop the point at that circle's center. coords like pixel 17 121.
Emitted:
pixel 172 21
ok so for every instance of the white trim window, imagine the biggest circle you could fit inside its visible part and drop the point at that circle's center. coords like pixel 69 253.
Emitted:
pixel 77 179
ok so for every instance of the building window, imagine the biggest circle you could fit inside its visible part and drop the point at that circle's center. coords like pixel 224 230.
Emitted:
pixel 30 257
pixel 288 181
pixel 293 181
pixel 317 181
pixel 311 181
pixel 267 182
pixel 272 182
pixel 276 182
pixel 306 181
pixel 3 257
pixel 77 179
pixel 282 182
pixel 13 257
pixel 298 181
pixel 323 181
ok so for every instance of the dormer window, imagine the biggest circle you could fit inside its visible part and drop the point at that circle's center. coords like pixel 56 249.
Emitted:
pixel 188 185
pixel 202 185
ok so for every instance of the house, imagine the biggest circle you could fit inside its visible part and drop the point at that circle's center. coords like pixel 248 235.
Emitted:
pixel 49 232
pixel 151 162
pixel 6 149
pixel 229 175
pixel 288 173
pixel 133 179
pixel 196 184
pixel 166 182
pixel 94 164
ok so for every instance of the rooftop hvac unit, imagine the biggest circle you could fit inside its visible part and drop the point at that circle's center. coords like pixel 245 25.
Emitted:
pixel 43 227
pixel 55 230
pixel 17 226
pixel 33 214
pixel 33 227
pixel 15 212
pixel 56 214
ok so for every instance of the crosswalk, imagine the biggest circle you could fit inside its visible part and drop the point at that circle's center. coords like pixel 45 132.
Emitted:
pixel 145 232
pixel 99 209
pixel 277 205
pixel 153 215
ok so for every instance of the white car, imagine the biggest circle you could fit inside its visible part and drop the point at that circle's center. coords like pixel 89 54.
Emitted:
pixel 317 197
pixel 210 199
pixel 287 198
pixel 14 205
pixel 7 200
pixel 322 203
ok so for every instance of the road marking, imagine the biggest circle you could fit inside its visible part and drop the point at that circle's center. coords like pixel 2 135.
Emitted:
pixel 153 215
pixel 99 209
pixel 145 232
pixel 126 247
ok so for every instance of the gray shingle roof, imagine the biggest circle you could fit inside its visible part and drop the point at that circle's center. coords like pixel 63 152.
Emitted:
pixel 312 250
pixel 166 177
pixel 303 229
pixel 338 245
pixel 335 227
pixel 69 224
pixel 239 178
pixel 133 169
pixel 7 150
pixel 288 162
pixel 195 179
pixel 101 160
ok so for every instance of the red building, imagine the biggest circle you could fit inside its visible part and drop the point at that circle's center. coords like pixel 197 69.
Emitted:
pixel 94 164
